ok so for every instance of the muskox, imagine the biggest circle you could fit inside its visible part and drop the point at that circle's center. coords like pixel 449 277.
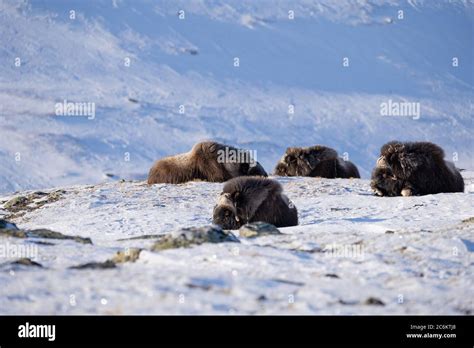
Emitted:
pixel 414 168
pixel 207 161
pixel 251 199
pixel 316 161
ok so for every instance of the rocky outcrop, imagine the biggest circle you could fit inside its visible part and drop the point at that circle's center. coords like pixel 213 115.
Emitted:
pixel 187 237
pixel 257 229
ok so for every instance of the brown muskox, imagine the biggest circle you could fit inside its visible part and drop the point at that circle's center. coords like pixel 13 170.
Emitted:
pixel 414 168
pixel 252 199
pixel 207 161
pixel 316 161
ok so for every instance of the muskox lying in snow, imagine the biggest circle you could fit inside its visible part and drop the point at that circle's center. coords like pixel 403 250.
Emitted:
pixel 208 161
pixel 252 199
pixel 414 168
pixel 316 161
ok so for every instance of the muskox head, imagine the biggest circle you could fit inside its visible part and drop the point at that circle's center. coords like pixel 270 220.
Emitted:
pixel 207 149
pixel 225 213
pixel 385 183
pixel 295 162
pixel 395 156
pixel 301 161
pixel 236 162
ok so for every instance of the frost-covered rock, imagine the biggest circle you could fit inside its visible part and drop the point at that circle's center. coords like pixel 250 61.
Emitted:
pixel 187 237
pixel 26 262
pixel 20 205
pixel 257 229
pixel 127 255
pixel 96 265
pixel 48 234
pixel 11 230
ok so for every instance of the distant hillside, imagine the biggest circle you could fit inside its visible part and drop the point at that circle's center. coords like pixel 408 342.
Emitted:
pixel 162 79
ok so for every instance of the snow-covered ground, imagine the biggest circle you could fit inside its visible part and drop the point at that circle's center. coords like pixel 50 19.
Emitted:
pixel 353 253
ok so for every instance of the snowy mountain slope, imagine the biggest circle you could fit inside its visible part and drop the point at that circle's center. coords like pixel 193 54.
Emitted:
pixel 188 63
pixel 353 253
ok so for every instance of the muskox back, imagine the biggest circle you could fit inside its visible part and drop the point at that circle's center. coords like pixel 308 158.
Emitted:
pixel 336 168
pixel 251 199
pixel 205 161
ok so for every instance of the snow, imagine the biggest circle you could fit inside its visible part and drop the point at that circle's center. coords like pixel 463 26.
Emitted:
pixel 412 253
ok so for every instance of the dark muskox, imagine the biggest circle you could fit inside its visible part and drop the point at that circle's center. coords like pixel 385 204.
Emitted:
pixel 251 199
pixel 414 168
pixel 315 161
pixel 208 161
pixel 384 183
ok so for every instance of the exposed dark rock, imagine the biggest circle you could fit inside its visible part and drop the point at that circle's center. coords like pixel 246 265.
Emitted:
pixel 145 236
pixel 308 250
pixel 205 287
pixel 374 302
pixel 192 51
pixel 40 242
pixel 48 234
pixel 96 265
pixel 340 209
pixel 21 262
pixel 4 224
pixel 39 233
pixel 127 255
pixel 187 237
pixel 290 282
pixel 26 262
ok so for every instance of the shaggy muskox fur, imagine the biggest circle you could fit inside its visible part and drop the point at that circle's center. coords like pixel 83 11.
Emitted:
pixel 315 161
pixel 251 199
pixel 414 168
pixel 384 183
pixel 203 162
